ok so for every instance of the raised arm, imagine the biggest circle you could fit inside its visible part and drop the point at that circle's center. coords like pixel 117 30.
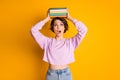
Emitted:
pixel 82 30
pixel 38 36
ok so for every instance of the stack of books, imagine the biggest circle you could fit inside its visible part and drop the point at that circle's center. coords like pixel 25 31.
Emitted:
pixel 58 12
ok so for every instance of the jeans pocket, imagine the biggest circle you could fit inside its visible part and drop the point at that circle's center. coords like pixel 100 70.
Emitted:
pixel 67 73
pixel 49 73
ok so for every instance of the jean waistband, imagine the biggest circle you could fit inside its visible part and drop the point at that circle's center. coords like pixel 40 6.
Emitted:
pixel 59 70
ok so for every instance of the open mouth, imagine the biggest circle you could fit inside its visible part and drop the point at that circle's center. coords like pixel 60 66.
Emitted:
pixel 59 31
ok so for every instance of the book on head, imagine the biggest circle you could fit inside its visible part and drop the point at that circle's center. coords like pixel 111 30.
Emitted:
pixel 58 12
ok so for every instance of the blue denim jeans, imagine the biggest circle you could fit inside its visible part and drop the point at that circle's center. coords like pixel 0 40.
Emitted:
pixel 60 74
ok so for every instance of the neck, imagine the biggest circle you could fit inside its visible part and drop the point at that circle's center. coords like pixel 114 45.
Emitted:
pixel 59 37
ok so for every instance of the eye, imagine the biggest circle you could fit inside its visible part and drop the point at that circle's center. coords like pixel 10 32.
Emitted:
pixel 61 24
pixel 55 25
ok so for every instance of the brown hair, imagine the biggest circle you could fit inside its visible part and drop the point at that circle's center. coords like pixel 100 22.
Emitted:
pixel 61 19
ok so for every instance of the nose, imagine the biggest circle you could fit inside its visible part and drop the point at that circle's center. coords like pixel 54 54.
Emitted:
pixel 58 26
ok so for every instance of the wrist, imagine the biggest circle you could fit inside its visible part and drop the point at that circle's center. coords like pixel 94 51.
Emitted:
pixel 70 18
pixel 46 20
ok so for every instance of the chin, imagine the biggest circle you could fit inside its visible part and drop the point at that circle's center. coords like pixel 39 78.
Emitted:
pixel 59 35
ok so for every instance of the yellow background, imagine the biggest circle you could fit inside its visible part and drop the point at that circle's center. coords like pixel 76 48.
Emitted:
pixel 97 58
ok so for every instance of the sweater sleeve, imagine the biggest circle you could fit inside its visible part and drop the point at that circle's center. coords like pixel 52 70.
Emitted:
pixel 82 30
pixel 38 36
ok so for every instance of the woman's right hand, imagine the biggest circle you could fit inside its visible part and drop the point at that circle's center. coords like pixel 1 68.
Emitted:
pixel 47 18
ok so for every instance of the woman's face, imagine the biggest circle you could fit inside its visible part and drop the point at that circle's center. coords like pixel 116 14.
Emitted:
pixel 59 28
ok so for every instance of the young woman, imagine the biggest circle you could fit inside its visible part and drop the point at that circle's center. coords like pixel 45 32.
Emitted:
pixel 58 51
